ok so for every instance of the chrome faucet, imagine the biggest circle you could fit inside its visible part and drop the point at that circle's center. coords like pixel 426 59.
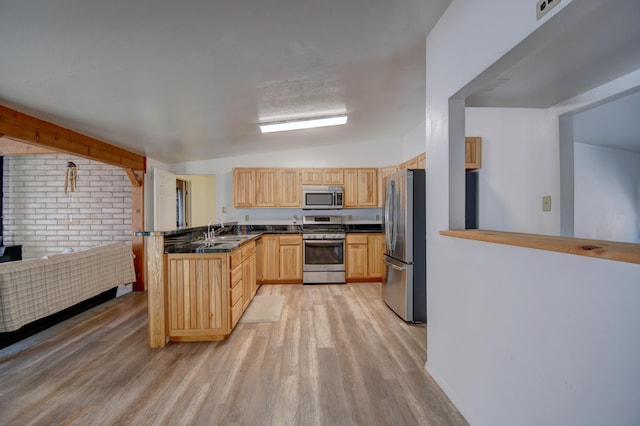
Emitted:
pixel 210 235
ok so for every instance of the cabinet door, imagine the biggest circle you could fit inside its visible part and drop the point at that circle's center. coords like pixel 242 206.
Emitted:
pixel 367 187
pixel 259 260
pixel 374 248
pixel 351 187
pixel 289 188
pixel 311 176
pixel 291 258
pixel 357 258
pixel 271 258
pixel 197 295
pixel 472 152
pixel 291 262
pixel 244 189
pixel 333 177
pixel 266 188
pixel 382 183
pixel 422 161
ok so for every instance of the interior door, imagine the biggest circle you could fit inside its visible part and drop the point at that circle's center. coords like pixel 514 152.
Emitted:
pixel 164 196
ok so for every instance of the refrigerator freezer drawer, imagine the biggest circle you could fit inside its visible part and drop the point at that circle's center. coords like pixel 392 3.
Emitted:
pixel 397 288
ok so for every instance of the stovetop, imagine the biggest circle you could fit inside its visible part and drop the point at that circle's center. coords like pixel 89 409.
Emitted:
pixel 322 227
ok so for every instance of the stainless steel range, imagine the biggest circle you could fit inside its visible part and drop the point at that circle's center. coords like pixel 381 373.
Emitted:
pixel 323 241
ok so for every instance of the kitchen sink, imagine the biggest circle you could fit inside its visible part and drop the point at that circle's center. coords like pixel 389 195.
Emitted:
pixel 229 238
pixel 222 242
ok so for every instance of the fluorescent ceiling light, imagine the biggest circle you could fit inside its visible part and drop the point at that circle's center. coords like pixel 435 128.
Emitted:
pixel 307 123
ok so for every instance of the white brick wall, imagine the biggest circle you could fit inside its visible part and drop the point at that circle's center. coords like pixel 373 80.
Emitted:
pixel 43 219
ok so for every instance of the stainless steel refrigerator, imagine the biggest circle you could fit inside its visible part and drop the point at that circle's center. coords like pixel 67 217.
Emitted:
pixel 404 287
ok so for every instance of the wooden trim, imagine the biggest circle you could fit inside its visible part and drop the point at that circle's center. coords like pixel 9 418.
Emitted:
pixel 137 180
pixel 156 276
pixel 611 250
pixel 44 134
pixel 11 146
pixel 137 225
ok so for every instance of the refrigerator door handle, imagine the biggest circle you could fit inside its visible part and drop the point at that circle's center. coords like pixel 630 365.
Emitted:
pixel 393 264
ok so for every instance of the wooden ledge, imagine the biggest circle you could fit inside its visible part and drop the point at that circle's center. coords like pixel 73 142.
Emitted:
pixel 623 252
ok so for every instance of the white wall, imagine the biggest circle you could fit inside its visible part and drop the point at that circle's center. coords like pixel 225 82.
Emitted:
pixel 518 336
pixel 607 193
pixel 520 164
pixel 413 142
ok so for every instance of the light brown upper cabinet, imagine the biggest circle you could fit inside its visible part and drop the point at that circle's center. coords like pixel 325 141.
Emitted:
pixel 333 177
pixel 322 177
pixel 360 187
pixel 311 176
pixel 289 189
pixel 422 161
pixel 266 187
pixel 472 152
pixel 244 188
pixel 383 172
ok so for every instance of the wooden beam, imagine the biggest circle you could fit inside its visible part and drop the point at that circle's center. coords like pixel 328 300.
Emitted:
pixel 135 179
pixel 137 225
pixel 48 135
pixel 11 146
pixel 155 290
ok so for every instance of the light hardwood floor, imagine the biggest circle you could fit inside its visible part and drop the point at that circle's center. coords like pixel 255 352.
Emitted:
pixel 338 356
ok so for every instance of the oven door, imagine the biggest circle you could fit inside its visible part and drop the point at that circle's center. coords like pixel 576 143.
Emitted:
pixel 323 255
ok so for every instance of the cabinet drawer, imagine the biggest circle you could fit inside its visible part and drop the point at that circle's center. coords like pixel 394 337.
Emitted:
pixel 356 239
pixel 248 249
pixel 236 258
pixel 290 240
pixel 236 312
pixel 236 275
pixel 236 293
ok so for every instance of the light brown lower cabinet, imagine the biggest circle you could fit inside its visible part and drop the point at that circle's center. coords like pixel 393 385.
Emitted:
pixel 281 262
pixel 207 293
pixel 375 249
pixel 364 257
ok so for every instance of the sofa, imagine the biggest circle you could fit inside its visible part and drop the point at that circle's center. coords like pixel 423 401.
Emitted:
pixel 37 288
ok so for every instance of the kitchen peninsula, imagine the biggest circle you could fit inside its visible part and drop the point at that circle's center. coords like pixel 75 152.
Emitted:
pixel 199 288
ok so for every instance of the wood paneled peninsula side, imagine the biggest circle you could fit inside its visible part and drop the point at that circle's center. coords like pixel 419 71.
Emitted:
pixel 197 289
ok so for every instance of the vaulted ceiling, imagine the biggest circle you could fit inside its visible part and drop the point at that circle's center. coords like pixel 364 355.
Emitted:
pixel 180 81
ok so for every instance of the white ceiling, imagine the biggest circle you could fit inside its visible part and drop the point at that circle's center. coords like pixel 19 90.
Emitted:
pixel 180 81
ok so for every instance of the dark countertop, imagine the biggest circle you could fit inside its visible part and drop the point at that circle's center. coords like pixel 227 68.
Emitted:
pixel 220 244
pixel 191 240
pixel 371 228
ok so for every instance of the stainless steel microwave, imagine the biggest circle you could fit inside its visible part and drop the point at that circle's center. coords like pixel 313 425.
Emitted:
pixel 322 197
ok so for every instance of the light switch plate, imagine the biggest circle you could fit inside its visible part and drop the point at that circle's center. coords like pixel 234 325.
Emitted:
pixel 546 203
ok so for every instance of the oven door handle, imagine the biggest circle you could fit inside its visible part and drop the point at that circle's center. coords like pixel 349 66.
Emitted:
pixel 322 242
